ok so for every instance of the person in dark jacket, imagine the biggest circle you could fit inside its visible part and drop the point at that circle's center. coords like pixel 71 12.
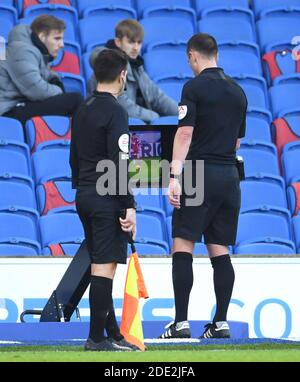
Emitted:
pixel 143 99
pixel 100 141
pixel 27 85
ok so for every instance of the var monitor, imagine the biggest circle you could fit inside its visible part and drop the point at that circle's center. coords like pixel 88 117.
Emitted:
pixel 150 152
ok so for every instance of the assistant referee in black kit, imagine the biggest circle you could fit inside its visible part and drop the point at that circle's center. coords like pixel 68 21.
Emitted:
pixel 100 135
pixel 212 115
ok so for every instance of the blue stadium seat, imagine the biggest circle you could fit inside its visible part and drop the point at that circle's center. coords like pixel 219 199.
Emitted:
pixel 17 178
pixel 264 222
pixel 202 5
pixel 109 11
pixel 280 61
pixel 61 228
pixel 259 113
pixel 257 129
pixel 135 122
pixel 96 30
pixel 233 13
pixel 296 228
pixel 19 226
pixel 173 11
pixel 160 32
pixel 173 87
pixel 293 197
pixel 18 249
pixel 149 228
pixel 11 129
pixel 14 157
pixel 262 5
pixel 162 64
pixel 167 120
pixel 52 164
pixel 57 10
pixel 73 83
pixel 290 160
pixel 277 30
pixel 148 197
pixel 8 12
pixel 255 82
pixel 9 3
pixel 227 28
pixel 45 131
pixel 16 194
pixel 5 27
pixel 21 5
pixel 255 96
pixel 143 5
pixel 266 247
pixel 82 5
pixel 68 249
pixel 284 98
pixel 56 196
pixel 259 157
pixel 87 69
pixel 263 189
pixel 239 58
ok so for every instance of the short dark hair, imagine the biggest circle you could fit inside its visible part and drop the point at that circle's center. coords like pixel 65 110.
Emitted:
pixel 108 64
pixel 131 29
pixel 47 23
pixel 203 43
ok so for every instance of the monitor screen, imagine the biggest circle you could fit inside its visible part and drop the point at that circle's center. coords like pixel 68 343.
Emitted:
pixel 149 145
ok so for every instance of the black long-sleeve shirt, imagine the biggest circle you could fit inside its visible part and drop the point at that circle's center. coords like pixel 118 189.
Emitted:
pixel 100 133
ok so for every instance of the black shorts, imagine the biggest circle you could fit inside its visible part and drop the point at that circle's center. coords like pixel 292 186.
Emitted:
pixel 106 241
pixel 217 217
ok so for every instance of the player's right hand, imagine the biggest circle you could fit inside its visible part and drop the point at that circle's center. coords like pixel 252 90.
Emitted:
pixel 129 223
pixel 174 193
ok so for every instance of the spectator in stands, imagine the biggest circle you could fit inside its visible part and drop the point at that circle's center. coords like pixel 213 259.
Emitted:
pixel 27 85
pixel 142 99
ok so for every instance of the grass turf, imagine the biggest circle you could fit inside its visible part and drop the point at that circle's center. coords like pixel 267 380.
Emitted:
pixel 214 353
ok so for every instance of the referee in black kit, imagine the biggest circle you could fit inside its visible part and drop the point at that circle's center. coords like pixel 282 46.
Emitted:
pixel 100 139
pixel 212 118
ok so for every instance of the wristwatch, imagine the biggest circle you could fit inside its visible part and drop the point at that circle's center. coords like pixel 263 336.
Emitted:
pixel 174 176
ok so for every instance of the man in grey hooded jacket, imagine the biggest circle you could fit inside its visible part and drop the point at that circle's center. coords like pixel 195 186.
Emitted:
pixel 142 99
pixel 27 85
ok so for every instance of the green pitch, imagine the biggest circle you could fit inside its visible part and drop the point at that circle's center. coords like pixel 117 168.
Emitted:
pixel 214 353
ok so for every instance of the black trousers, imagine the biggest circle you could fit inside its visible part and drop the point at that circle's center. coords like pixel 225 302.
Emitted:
pixel 63 104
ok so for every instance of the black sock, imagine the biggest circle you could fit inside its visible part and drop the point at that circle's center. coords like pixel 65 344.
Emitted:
pixel 223 283
pixel 100 299
pixel 111 325
pixel 182 273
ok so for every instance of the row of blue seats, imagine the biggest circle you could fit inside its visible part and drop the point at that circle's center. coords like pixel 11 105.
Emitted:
pixel 257 128
pixel 261 225
pixel 231 23
pixel 259 6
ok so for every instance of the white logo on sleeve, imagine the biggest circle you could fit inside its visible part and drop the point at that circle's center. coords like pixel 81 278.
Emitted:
pixel 182 111
pixel 124 143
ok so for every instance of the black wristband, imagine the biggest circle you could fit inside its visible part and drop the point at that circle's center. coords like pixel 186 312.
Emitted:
pixel 174 176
